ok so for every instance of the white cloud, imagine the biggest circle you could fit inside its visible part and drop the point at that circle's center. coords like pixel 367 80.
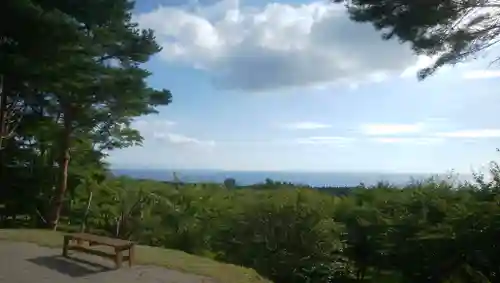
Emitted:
pixel 421 62
pixel 161 130
pixel 481 74
pixel 278 45
pixel 480 133
pixel 413 140
pixel 152 125
pixel 179 139
pixel 391 129
pixel 306 126
pixel 327 140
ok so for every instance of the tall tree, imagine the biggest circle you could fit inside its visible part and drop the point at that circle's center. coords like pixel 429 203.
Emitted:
pixel 31 40
pixel 78 63
pixel 102 85
pixel 452 30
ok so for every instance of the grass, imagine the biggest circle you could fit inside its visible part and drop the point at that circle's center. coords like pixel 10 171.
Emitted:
pixel 172 259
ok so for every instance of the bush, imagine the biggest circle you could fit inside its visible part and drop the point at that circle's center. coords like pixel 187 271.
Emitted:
pixel 424 232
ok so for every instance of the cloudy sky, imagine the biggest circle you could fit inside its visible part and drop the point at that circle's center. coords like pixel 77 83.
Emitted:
pixel 295 85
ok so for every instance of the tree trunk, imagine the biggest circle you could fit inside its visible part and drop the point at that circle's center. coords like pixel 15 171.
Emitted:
pixel 118 225
pixel 63 177
pixel 3 113
pixel 3 133
pixel 84 221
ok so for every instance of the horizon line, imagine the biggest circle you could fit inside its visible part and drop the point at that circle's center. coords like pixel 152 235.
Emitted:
pixel 449 172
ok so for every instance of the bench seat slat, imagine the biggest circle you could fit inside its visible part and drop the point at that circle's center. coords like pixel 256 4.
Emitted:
pixel 100 240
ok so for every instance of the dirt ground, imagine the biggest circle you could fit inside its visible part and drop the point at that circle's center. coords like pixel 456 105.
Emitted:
pixel 28 263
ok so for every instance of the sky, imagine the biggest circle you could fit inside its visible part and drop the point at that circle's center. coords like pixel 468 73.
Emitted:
pixel 294 85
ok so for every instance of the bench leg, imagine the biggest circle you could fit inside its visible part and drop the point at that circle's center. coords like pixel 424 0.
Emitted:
pixel 131 255
pixel 65 247
pixel 118 257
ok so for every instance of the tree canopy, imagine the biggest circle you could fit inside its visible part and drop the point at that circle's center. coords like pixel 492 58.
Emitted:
pixel 451 30
pixel 72 69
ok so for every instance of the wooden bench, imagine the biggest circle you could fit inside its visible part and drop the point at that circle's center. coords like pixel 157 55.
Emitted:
pixel 119 246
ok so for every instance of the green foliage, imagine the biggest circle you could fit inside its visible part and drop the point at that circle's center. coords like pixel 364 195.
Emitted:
pixel 427 231
pixel 452 30
pixel 73 82
pixel 229 183
pixel 275 237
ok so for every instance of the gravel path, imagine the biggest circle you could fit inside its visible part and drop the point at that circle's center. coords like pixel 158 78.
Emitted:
pixel 28 263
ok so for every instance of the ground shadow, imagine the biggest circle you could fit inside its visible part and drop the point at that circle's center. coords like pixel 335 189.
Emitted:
pixel 73 267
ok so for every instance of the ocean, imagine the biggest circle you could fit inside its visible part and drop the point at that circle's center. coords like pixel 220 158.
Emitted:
pixel 317 179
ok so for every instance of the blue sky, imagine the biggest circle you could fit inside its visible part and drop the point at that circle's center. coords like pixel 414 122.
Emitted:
pixel 294 85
